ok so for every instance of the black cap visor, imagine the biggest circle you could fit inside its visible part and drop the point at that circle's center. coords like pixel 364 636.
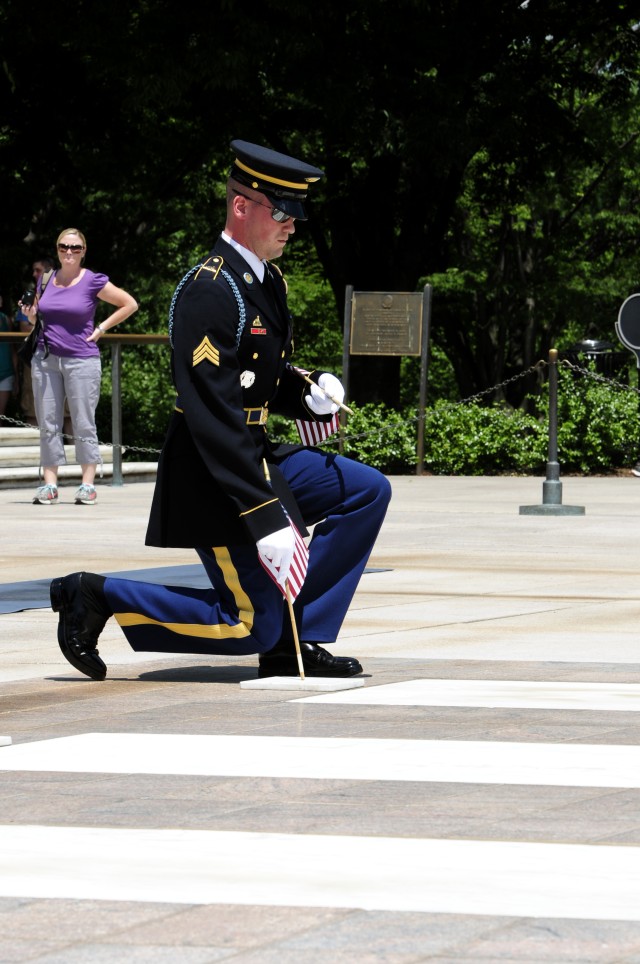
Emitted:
pixel 291 206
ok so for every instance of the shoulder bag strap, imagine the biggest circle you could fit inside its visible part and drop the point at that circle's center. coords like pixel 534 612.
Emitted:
pixel 46 277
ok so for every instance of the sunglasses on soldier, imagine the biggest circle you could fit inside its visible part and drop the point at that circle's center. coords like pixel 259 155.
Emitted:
pixel 276 213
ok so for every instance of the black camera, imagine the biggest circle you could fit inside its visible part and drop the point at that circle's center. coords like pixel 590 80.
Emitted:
pixel 28 298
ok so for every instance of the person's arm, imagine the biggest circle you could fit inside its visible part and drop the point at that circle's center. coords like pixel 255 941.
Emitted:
pixel 124 303
pixel 21 322
pixel 14 359
pixel 30 313
pixel 299 400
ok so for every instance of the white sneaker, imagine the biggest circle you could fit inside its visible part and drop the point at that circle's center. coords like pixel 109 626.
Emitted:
pixel 86 494
pixel 46 495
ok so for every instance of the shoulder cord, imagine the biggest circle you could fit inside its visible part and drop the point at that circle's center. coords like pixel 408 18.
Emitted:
pixel 172 306
pixel 242 311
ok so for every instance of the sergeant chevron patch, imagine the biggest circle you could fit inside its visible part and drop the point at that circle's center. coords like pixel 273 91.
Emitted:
pixel 206 352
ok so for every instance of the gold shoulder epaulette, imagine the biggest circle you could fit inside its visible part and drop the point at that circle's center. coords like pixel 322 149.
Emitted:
pixel 213 265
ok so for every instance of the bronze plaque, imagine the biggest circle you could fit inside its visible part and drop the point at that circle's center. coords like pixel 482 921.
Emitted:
pixel 386 323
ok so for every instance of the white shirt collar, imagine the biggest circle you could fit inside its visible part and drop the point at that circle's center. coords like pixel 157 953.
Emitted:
pixel 252 259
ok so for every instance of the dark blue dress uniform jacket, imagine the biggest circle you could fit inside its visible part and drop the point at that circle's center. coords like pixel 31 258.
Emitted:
pixel 211 488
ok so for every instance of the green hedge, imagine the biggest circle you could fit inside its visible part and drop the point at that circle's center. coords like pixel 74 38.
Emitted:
pixel 598 432
pixel 598 427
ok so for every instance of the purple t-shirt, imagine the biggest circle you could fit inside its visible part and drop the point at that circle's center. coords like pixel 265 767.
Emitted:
pixel 68 315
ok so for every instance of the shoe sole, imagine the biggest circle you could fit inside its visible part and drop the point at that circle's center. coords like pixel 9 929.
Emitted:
pixel 310 674
pixel 56 595
pixel 45 502
pixel 292 669
pixel 86 501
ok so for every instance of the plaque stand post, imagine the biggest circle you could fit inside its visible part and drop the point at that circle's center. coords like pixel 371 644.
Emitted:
pixel 424 369
pixel 346 342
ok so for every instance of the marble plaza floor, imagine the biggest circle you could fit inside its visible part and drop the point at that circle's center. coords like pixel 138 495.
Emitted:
pixel 477 799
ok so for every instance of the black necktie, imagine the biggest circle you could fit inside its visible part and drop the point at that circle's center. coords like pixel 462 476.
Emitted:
pixel 274 294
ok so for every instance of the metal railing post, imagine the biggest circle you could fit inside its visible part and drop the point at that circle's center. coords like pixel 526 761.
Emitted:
pixel 116 412
pixel 552 486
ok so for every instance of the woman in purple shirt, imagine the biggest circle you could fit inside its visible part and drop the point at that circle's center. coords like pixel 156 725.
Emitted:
pixel 67 363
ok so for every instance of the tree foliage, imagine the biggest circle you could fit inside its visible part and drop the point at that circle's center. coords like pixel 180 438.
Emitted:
pixel 488 148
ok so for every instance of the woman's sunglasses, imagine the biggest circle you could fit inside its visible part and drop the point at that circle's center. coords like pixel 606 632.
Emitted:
pixel 74 248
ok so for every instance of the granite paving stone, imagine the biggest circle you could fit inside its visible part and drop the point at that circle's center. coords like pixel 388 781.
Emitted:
pixel 469 590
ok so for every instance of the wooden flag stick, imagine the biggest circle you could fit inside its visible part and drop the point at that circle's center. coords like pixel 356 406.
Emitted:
pixel 287 589
pixel 345 408
pixel 295 629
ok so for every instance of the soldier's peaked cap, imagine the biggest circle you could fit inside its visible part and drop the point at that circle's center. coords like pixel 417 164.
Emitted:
pixel 285 180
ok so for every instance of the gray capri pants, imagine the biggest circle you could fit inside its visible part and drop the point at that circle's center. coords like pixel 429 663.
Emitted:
pixel 79 380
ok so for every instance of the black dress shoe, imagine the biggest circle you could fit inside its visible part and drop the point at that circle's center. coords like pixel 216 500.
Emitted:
pixel 83 608
pixel 316 661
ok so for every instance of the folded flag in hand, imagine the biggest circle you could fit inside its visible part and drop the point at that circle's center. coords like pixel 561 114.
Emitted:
pixel 298 569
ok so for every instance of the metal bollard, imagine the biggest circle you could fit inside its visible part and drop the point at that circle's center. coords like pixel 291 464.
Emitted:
pixel 552 486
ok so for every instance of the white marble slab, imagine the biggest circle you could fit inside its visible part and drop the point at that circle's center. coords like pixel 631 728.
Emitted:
pixel 330 758
pixel 372 873
pixel 513 694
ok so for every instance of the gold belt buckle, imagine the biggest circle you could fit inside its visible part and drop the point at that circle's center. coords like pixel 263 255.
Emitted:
pixel 257 416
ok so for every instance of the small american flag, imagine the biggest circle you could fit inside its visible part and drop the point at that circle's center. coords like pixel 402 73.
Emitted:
pixel 313 433
pixel 298 570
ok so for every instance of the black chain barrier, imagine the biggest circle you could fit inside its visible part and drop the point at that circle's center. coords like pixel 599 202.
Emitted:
pixel 599 378
pixel 384 429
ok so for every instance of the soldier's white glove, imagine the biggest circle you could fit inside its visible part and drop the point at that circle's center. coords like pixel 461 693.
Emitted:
pixel 276 552
pixel 318 402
